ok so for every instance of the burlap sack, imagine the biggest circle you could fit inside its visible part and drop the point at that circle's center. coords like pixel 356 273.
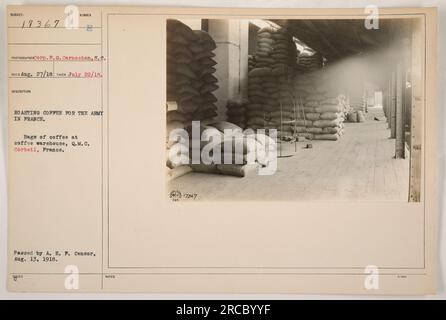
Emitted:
pixel 260 72
pixel 331 130
pixel 315 97
pixel 332 137
pixel 329 108
pixel 312 116
pixel 256 121
pixel 177 172
pixel 187 89
pixel 247 170
pixel 203 168
pixel 304 123
pixel 209 78
pixel 176 116
pixel 200 115
pixel 314 130
pixel 326 123
pixel 361 117
pixel 204 54
pixel 179 50
pixel 205 40
pixel 330 115
pixel 312 104
pixel 254 106
pixel 207 62
pixel 224 125
pixel 177 38
pixel 300 129
pixel 209 87
pixel 185 70
pixel 235 111
pixel 333 101
pixel 257 93
pixel 208 97
pixel 206 70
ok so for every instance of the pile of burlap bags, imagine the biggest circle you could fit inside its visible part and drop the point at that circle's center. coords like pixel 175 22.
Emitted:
pixel 308 62
pixel 190 69
pixel 251 62
pixel 321 107
pixel 357 103
pixel 262 86
pixel 204 67
pixel 283 116
pixel 271 104
pixel 327 115
pixel 355 116
pixel 176 164
pixel 190 80
pixel 275 49
pixel 239 154
pixel 181 80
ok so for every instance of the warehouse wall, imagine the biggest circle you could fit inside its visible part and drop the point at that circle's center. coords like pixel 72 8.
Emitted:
pixel 231 37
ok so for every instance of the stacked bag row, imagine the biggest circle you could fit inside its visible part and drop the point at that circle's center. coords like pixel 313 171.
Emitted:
pixel 190 69
pixel 275 49
pixel 322 109
pixel 355 116
pixel 271 104
pixel 251 62
pixel 309 62
pixel 357 103
pixel 190 78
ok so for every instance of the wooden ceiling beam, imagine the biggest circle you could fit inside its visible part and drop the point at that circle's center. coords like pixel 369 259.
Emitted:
pixel 323 38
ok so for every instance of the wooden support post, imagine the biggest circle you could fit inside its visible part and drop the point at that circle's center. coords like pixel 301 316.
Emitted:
pixel 408 104
pixel 393 106
pixel 385 101
pixel 389 101
pixel 416 129
pixel 399 114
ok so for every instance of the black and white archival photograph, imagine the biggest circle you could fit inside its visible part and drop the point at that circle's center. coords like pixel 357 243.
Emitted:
pixel 286 151
pixel 296 109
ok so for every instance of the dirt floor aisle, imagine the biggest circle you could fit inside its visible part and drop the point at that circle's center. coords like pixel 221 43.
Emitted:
pixel 359 166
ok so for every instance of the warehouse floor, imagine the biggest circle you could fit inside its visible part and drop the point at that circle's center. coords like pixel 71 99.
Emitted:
pixel 359 166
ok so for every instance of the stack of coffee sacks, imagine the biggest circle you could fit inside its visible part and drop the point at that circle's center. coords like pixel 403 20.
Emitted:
pixel 190 81
pixel 176 146
pixel 236 111
pixel 251 62
pixel 181 88
pixel 247 153
pixel 322 107
pixel 355 116
pixel 309 61
pixel 357 107
pixel 303 86
pixel 182 81
pixel 261 89
pixel 204 67
pixel 329 124
pixel 190 71
pixel 284 114
pixel 357 103
pixel 269 83
pixel 275 48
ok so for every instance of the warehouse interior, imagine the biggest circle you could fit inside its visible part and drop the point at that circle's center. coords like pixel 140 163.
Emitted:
pixel 345 101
